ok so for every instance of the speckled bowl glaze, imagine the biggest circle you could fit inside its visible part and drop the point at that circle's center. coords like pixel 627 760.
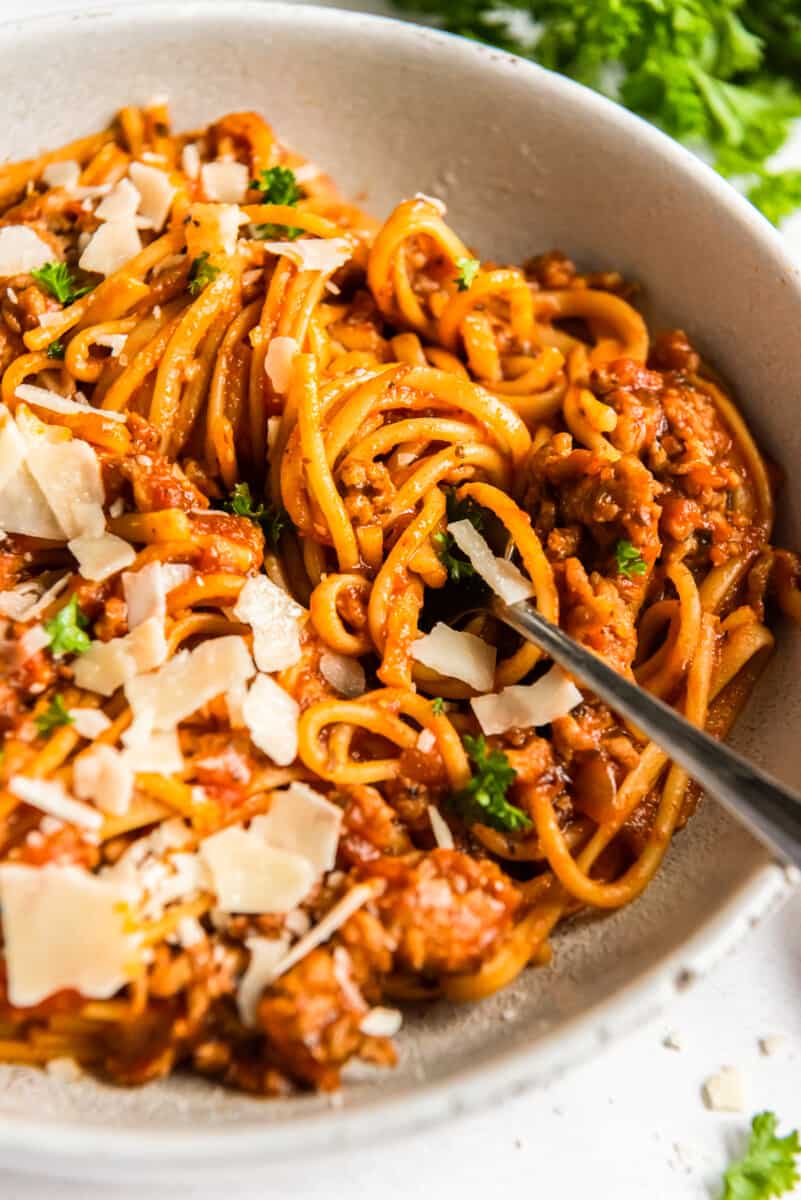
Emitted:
pixel 525 161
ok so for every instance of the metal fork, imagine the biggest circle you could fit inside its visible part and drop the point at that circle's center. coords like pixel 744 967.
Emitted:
pixel 771 811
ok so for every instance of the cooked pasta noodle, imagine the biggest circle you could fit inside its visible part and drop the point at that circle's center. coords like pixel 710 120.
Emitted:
pixel 261 461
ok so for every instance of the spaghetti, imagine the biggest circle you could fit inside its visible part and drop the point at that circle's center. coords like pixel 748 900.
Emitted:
pixel 269 766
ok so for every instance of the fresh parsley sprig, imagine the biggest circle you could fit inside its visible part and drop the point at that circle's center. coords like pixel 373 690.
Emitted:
pixel 445 547
pixel 467 269
pixel 66 629
pixel 438 706
pixel 57 279
pixel 483 800
pixel 201 273
pixel 278 185
pixel 54 716
pixel 272 520
pixel 769 1166
pixel 56 349
pixel 628 559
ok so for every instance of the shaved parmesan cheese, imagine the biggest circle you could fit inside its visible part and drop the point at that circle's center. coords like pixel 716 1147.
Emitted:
pixel 156 193
pixel 314 254
pixel 436 203
pixel 157 753
pixel 105 666
pixel 63 928
pixel 114 342
pixel 251 877
pixel 502 576
pixel 189 680
pixel 68 474
pixel 25 602
pixel 32 641
pixel 51 797
pixel 322 931
pixel 103 775
pixel 99 557
pixel 23 508
pixel 64 1070
pixel 89 722
pixel 120 204
pixel 278 362
pixel 457 655
pixel 303 821
pixel 111 246
pixel 61 174
pixel 346 675
pixel 382 1022
pixel 724 1092
pixel 13 447
pixel 271 716
pixel 527 706
pixel 265 954
pixel 306 172
pixel 274 618
pixel 225 181
pixel 211 226
pixel 190 160
pixel 44 398
pixel 426 741
pixel 146 590
pixel 21 250
pixel 234 702
pixel 440 828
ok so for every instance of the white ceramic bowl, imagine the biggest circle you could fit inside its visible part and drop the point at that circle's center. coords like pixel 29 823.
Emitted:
pixel 526 161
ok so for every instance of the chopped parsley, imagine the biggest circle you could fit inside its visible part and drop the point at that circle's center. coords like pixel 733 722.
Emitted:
pixel 53 716
pixel 723 74
pixel 438 706
pixel 278 185
pixel 201 273
pixel 57 279
pixel 66 629
pixel 464 510
pixel 769 1166
pixel 483 801
pixel 628 559
pixel 468 268
pixel 56 349
pixel 272 520
pixel 455 564
pixel 777 195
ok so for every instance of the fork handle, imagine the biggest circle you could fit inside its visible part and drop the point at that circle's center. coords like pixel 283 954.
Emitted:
pixel 770 810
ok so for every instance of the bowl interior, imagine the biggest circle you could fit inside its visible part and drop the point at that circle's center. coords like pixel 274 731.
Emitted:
pixel 526 162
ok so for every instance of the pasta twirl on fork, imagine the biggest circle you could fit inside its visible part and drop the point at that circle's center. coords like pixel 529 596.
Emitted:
pixel 269 768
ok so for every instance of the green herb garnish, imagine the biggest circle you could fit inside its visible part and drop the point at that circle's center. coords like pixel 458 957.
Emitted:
pixel 53 716
pixel 278 185
pixel 272 520
pixel 458 568
pixel 468 269
pixel 768 1167
pixel 628 559
pixel 483 801
pixel 438 706
pixel 66 629
pixel 201 273
pixel 57 279
pixel 56 349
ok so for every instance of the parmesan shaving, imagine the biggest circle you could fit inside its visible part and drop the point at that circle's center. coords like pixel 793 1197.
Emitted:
pixel 155 193
pixel 105 666
pixel 100 557
pixel 440 828
pixel 249 876
pixel 226 182
pixel 146 590
pixel 21 251
pixel 382 1022
pixel 265 954
pixel 50 796
pixel 89 722
pixel 190 160
pixel 322 931
pixel 314 254
pixel 278 362
pixel 271 716
pixel 527 706
pixel 274 618
pixel 62 174
pixel 189 680
pixel 111 246
pixel 304 822
pixel 503 577
pixel 101 774
pixel 457 655
pixel 43 398
pixel 120 204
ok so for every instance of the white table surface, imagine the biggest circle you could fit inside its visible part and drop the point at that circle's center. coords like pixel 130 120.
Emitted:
pixel 631 1123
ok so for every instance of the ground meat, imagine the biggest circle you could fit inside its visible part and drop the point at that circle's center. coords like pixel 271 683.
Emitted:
pixel 671 351
pixel 445 911
pixel 370 827
pixel 552 271
pixel 368 490
pixel 596 614
pixel 158 483
pixel 535 766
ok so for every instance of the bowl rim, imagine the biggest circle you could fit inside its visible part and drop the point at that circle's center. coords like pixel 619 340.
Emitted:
pixel 91 1148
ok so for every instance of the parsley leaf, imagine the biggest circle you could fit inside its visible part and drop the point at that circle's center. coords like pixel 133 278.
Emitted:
pixel 57 279
pixel 464 510
pixel 53 716
pixel 777 195
pixel 768 1167
pixel 629 560
pixel 458 568
pixel 272 520
pixel 56 349
pixel 722 73
pixel 278 185
pixel 201 273
pixel 468 269
pixel 66 629
pixel 438 706
pixel 483 801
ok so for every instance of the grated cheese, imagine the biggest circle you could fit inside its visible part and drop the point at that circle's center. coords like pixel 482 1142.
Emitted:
pixel 103 775
pixel 50 796
pixel 426 741
pixel 110 247
pixel 146 590
pixel 503 577
pixel 271 717
pixel 44 398
pixel 105 666
pixel 346 675
pixel 278 362
pixel 99 557
pixel 120 204
pixel 189 680
pixel 225 181
pixel 302 821
pixel 62 174
pixel 382 1022
pixel 440 828
pixel 68 475
pixel 274 618
pixel 190 160
pixel 250 876
pixel 527 706
pixel 457 655
pixel 89 722
pixel 314 254
pixel 63 928
pixel 21 250
pixel 265 954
